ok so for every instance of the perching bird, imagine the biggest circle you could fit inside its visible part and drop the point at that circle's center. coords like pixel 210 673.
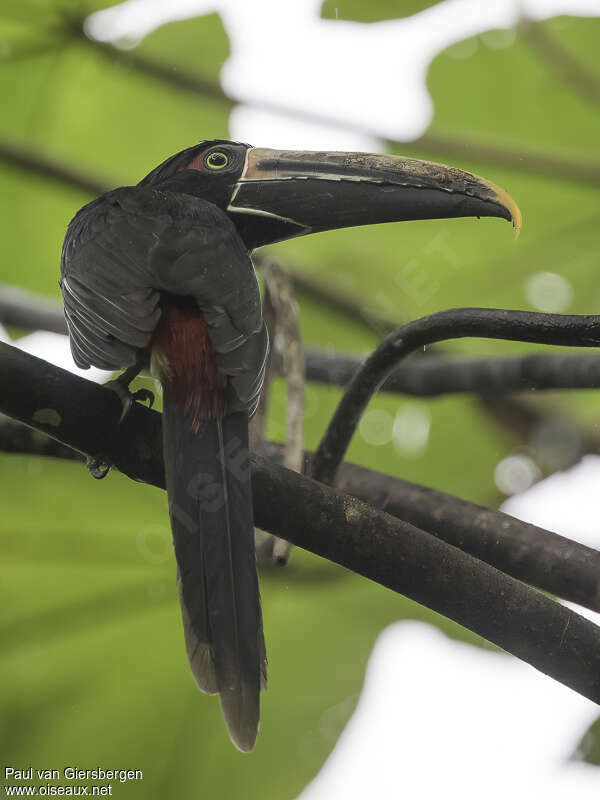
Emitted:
pixel 160 273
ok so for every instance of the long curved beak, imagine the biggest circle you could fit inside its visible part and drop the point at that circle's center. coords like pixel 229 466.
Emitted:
pixel 285 193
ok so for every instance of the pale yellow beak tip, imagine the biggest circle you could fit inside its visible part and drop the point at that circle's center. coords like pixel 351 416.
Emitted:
pixel 503 198
pixel 517 219
pixel 506 200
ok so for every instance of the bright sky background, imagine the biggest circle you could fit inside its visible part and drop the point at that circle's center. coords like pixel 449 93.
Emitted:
pixel 436 718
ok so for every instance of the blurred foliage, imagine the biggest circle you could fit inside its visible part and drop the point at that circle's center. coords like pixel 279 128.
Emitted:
pixel 588 749
pixel 94 668
pixel 374 11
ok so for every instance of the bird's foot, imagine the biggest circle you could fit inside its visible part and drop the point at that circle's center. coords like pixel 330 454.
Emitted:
pixel 98 467
pixel 120 385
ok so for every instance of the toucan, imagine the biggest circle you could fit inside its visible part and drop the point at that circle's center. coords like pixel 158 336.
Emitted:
pixel 160 274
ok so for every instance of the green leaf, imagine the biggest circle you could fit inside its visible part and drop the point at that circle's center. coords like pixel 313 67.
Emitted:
pixel 588 749
pixel 198 46
pixel 374 11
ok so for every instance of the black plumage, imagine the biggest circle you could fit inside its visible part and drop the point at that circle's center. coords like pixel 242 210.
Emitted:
pixel 161 272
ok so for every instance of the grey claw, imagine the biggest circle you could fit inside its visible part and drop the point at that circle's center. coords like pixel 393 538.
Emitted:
pixel 126 403
pixel 127 398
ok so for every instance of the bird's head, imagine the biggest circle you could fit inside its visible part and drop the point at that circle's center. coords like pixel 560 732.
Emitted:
pixel 277 194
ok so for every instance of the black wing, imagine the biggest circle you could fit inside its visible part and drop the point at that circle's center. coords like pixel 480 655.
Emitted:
pixel 126 248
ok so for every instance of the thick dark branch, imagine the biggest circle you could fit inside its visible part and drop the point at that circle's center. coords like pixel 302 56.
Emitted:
pixel 536 556
pixel 80 414
pixel 489 323
pixel 339 527
pixel 403 558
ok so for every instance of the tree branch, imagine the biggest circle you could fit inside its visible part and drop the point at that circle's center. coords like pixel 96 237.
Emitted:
pixel 393 553
pixel 428 377
pixel 525 326
pixel 403 558
pixel 434 376
pixel 336 298
pixel 533 555
pixel 565 66
pixel 285 328
pixel 536 556
pixel 16 156
pixel 30 311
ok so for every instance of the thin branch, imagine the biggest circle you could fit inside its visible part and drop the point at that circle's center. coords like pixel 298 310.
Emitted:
pixel 30 311
pixel 27 50
pixel 17 156
pixel 524 326
pixel 564 65
pixel 536 556
pixel 435 376
pixel 263 543
pixel 286 329
pixel 334 297
pixel 538 630
pixel 556 440
pixel 170 74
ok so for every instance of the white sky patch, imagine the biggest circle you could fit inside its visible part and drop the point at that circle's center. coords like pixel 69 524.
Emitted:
pixel 439 718
pixel 371 77
pixel 55 348
pixel 566 502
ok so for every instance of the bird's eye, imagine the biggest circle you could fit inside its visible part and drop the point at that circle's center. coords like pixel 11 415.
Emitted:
pixel 216 160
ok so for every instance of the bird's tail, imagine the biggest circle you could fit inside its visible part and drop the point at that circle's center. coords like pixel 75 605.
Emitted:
pixel 210 505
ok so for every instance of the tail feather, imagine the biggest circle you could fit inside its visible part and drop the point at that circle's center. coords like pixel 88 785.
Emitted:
pixel 210 504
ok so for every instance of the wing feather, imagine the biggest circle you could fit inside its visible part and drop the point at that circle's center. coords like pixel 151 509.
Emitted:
pixel 126 249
